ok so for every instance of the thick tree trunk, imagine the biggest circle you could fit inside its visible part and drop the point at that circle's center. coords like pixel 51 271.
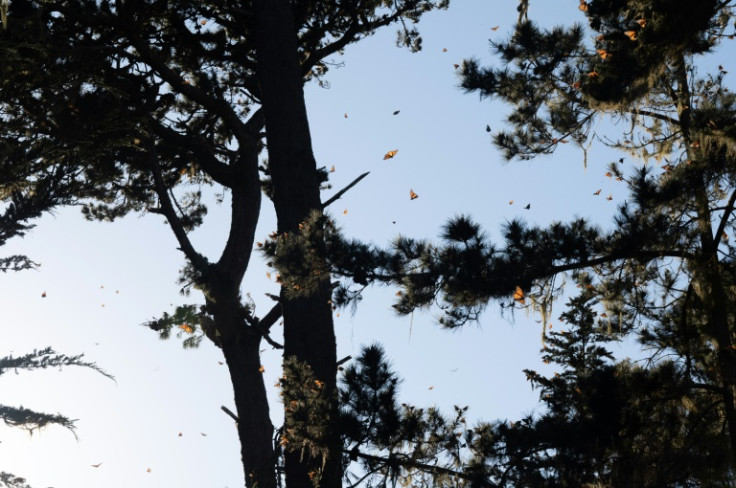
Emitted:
pixel 308 326
pixel 254 422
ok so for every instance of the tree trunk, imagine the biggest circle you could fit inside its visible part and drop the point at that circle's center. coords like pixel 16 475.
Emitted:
pixel 308 326
pixel 254 422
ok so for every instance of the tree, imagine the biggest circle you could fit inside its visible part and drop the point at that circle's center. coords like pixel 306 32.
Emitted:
pixel 663 273
pixel 31 420
pixel 149 102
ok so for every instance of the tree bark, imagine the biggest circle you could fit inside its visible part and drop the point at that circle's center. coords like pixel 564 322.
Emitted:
pixel 254 423
pixel 308 328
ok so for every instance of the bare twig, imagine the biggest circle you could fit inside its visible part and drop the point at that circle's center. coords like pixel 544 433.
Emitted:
pixel 342 192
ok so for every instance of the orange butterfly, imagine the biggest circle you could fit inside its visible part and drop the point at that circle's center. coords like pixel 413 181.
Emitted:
pixel 597 193
pixel 630 34
pixel 390 154
pixel 261 369
pixel 642 23
pixel 186 328
pixel 412 195
pixel 519 295
pixel 593 74
pixel 583 6
pixel 608 174
pixel 332 170
pixel 345 212
pixel 609 197
pixel 495 28
pixel 456 66
pixel 603 53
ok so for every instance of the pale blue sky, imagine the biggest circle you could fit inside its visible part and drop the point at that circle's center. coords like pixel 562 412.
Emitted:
pixel 131 266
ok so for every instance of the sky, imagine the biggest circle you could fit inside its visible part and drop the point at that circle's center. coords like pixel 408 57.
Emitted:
pixel 159 424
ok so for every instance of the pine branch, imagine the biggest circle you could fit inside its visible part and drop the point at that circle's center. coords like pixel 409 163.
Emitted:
pixel 199 262
pixel 219 172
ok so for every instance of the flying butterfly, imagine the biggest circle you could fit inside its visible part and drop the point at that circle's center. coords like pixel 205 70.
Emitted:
pixel 390 154
pixel 519 295
pixel 412 195
pixel 494 29
pixel 597 192
pixel 631 34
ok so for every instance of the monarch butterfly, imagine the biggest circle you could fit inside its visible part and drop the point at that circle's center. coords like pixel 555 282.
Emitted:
pixel 495 28
pixel 597 193
pixel 261 369
pixel 332 170
pixel 390 154
pixel 609 197
pixel 630 34
pixel 519 295
pixel 583 6
pixel 603 53
pixel 186 328
pixel 412 195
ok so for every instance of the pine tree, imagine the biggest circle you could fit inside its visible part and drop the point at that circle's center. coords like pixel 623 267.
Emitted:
pixel 146 103
pixel 664 273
